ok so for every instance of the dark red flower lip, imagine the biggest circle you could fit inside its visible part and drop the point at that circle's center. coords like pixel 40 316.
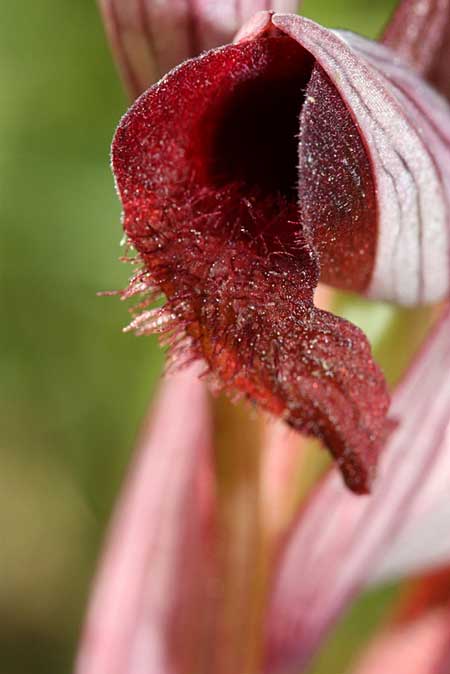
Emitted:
pixel 246 173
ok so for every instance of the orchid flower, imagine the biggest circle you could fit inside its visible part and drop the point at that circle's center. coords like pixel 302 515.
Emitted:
pixel 247 175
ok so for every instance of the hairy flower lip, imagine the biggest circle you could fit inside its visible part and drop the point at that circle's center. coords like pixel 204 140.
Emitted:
pixel 309 367
pixel 212 145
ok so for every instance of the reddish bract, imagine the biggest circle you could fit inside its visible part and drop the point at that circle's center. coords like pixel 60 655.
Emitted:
pixel 206 166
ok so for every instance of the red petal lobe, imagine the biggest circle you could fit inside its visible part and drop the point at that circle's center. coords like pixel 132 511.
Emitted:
pixel 336 187
pixel 206 165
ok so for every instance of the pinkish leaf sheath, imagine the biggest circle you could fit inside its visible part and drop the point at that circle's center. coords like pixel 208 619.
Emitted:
pixel 157 569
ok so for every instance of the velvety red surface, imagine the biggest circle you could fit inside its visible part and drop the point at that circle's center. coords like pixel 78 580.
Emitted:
pixel 206 164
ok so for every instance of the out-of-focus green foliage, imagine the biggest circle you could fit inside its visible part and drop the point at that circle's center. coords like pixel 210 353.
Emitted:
pixel 73 388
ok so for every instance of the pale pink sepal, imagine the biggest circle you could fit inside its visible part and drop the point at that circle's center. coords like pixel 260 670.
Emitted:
pixel 154 569
pixel 150 37
pixel 423 541
pixel 339 540
pixel 414 647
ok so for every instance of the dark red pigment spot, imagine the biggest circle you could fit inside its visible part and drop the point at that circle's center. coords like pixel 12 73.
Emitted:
pixel 206 165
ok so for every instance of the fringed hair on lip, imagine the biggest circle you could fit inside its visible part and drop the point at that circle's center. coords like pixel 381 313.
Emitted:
pixel 206 164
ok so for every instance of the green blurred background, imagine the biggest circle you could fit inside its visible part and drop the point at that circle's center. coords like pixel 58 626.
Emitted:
pixel 73 388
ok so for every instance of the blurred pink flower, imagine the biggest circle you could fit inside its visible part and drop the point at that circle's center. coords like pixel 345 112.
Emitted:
pixel 418 635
